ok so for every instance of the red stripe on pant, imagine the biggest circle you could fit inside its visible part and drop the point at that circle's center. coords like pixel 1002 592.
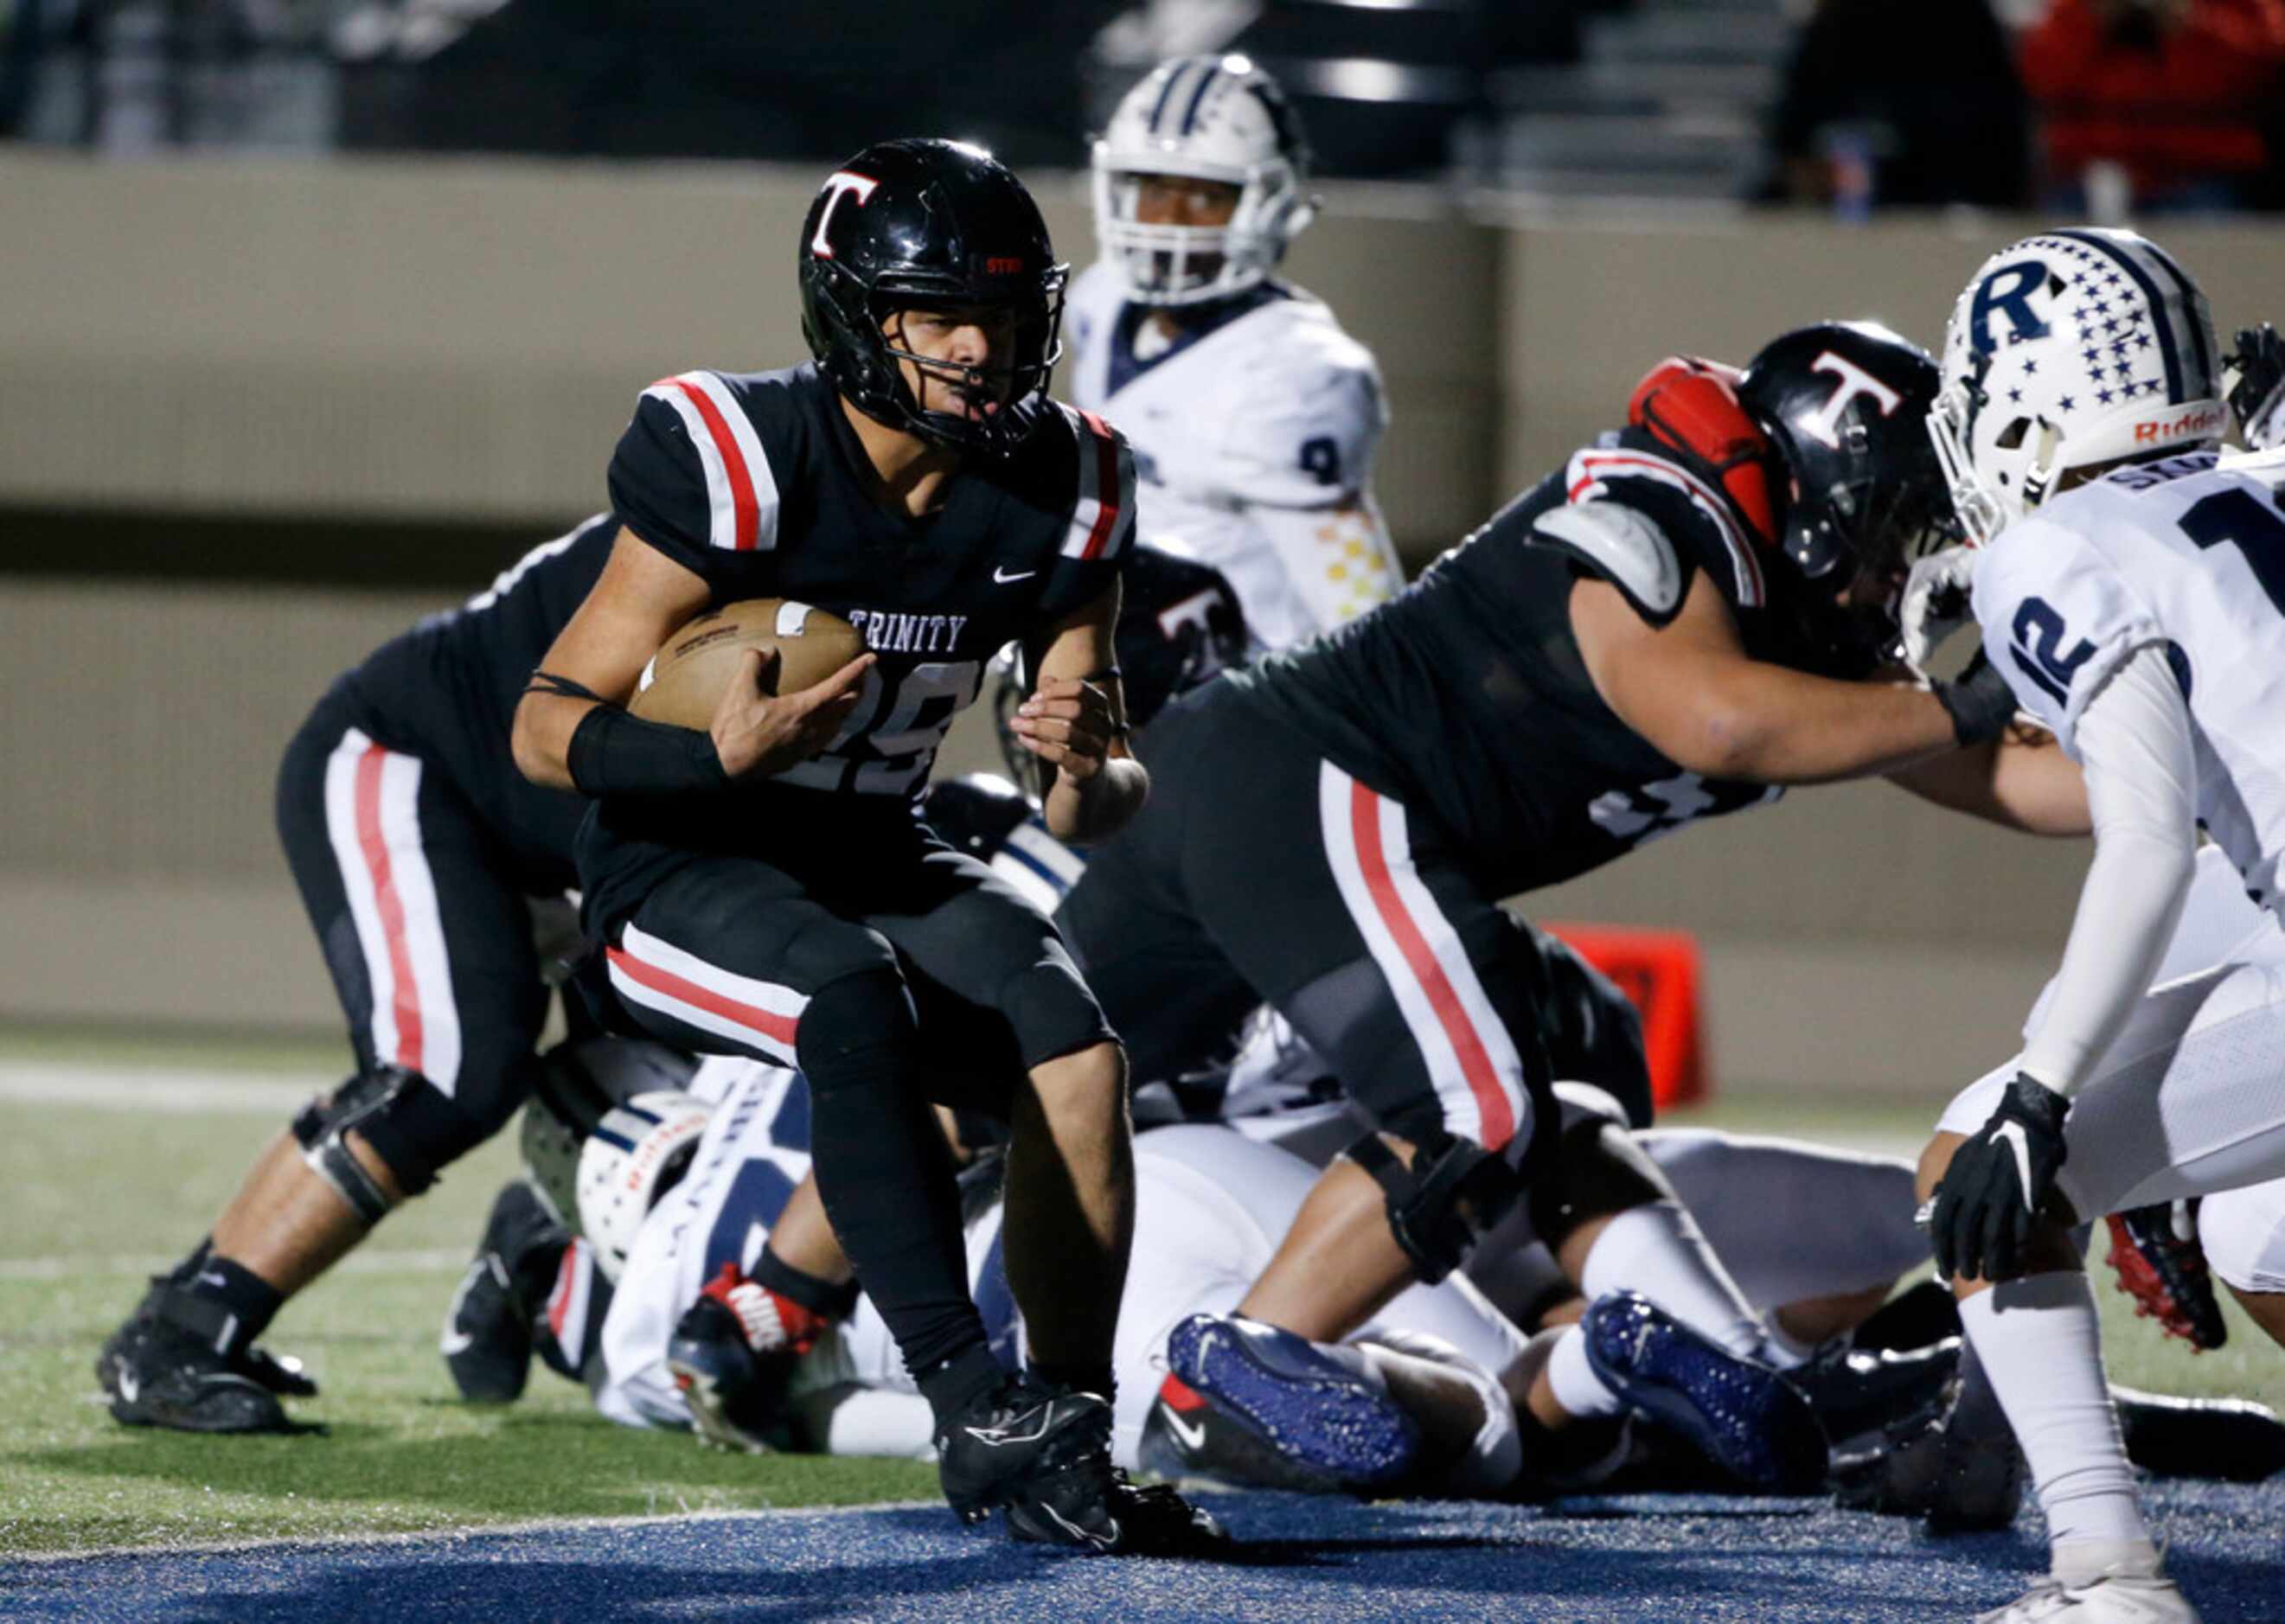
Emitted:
pixel 778 1028
pixel 1475 1063
pixel 405 997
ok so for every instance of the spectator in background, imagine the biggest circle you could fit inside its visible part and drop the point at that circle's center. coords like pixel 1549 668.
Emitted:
pixel 2180 94
pixel 1911 105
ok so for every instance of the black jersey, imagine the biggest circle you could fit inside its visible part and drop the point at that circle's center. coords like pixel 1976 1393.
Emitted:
pixel 758 484
pixel 1467 695
pixel 447 690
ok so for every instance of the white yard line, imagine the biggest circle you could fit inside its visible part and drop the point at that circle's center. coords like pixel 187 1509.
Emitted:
pixel 472 1530
pixel 376 1261
pixel 151 1089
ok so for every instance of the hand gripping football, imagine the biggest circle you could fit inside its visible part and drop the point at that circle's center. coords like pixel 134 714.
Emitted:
pixel 684 679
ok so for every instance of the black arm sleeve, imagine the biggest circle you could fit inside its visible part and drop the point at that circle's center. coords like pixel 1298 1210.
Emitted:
pixel 613 753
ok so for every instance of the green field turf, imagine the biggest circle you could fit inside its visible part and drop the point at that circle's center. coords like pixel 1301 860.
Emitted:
pixel 95 1197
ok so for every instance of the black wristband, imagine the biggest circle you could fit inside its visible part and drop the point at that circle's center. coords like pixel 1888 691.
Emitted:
pixel 1981 704
pixel 614 754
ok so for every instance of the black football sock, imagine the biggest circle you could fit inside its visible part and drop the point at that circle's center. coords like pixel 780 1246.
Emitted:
pixel 886 1178
pixel 1079 1378
pixel 224 1304
pixel 822 1297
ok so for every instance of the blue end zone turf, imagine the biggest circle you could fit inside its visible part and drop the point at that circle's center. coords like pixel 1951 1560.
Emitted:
pixel 1650 1558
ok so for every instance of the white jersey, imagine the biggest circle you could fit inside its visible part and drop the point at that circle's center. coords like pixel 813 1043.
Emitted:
pixel 754 1152
pixel 1253 444
pixel 2188 554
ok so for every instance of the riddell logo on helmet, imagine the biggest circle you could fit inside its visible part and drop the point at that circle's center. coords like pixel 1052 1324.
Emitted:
pixel 1002 266
pixel 2206 421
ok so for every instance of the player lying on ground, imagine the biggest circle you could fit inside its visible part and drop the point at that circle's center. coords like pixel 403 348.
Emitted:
pixel 420 852
pixel 660 1294
pixel 764 887
pixel 654 1307
pixel 2129 583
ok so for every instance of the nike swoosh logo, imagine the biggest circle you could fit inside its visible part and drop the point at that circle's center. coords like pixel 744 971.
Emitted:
pixel 128 1386
pixel 2013 1132
pixel 454 1341
pixel 1189 1434
pixel 1083 1536
pixel 1001 577
pixel 997 1436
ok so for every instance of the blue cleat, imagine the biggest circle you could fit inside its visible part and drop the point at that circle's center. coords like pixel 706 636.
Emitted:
pixel 1746 1418
pixel 1249 1403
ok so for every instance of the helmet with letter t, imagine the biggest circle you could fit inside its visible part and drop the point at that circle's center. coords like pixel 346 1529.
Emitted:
pixel 1844 405
pixel 2068 352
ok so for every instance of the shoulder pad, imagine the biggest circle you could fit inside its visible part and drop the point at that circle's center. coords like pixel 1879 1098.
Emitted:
pixel 1624 548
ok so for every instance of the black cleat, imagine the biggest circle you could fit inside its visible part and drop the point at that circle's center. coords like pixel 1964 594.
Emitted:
pixel 1957 1467
pixel 487 1336
pixel 156 1374
pixel 1043 1455
pixel 2234 1440
pixel 1856 1392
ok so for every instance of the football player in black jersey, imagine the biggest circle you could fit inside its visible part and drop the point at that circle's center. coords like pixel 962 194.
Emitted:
pixel 766 887
pixel 415 846
pixel 1680 623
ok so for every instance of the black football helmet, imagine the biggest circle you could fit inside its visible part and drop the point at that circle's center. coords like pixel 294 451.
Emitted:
pixel 1179 627
pixel 1844 405
pixel 937 224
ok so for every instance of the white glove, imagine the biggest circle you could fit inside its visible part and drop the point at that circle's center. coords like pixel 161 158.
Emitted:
pixel 1936 602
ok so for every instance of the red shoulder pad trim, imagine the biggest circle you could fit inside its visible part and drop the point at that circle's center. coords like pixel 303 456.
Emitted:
pixel 1691 406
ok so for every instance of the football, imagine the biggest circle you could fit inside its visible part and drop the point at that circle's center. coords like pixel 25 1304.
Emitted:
pixel 684 679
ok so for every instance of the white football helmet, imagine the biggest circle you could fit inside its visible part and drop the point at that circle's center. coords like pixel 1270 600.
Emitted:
pixel 1205 118
pixel 2066 351
pixel 638 1152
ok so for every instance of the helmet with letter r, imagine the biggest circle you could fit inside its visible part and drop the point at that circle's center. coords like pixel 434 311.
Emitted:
pixel 936 226
pixel 2068 351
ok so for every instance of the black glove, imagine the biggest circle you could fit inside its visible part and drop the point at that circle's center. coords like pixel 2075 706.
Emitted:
pixel 2255 379
pixel 1990 1193
pixel 1980 703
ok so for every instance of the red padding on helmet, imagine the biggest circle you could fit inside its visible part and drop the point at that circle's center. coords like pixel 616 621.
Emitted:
pixel 1690 407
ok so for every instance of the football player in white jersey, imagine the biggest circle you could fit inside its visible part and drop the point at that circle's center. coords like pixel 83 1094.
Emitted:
pixel 2129 584
pixel 1254 419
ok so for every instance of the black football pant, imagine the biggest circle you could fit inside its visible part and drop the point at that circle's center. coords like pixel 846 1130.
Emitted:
pixel 428 944
pixel 1263 872
pixel 895 973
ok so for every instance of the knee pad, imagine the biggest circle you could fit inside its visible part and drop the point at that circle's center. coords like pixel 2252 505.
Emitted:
pixel 403 1118
pixel 855 1018
pixel 1443 1204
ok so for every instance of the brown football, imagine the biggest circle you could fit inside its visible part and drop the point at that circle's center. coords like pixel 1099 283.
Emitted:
pixel 684 679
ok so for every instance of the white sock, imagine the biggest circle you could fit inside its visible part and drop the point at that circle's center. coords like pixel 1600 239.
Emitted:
pixel 2081 1562
pixel 1572 1380
pixel 1656 1249
pixel 2042 1351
